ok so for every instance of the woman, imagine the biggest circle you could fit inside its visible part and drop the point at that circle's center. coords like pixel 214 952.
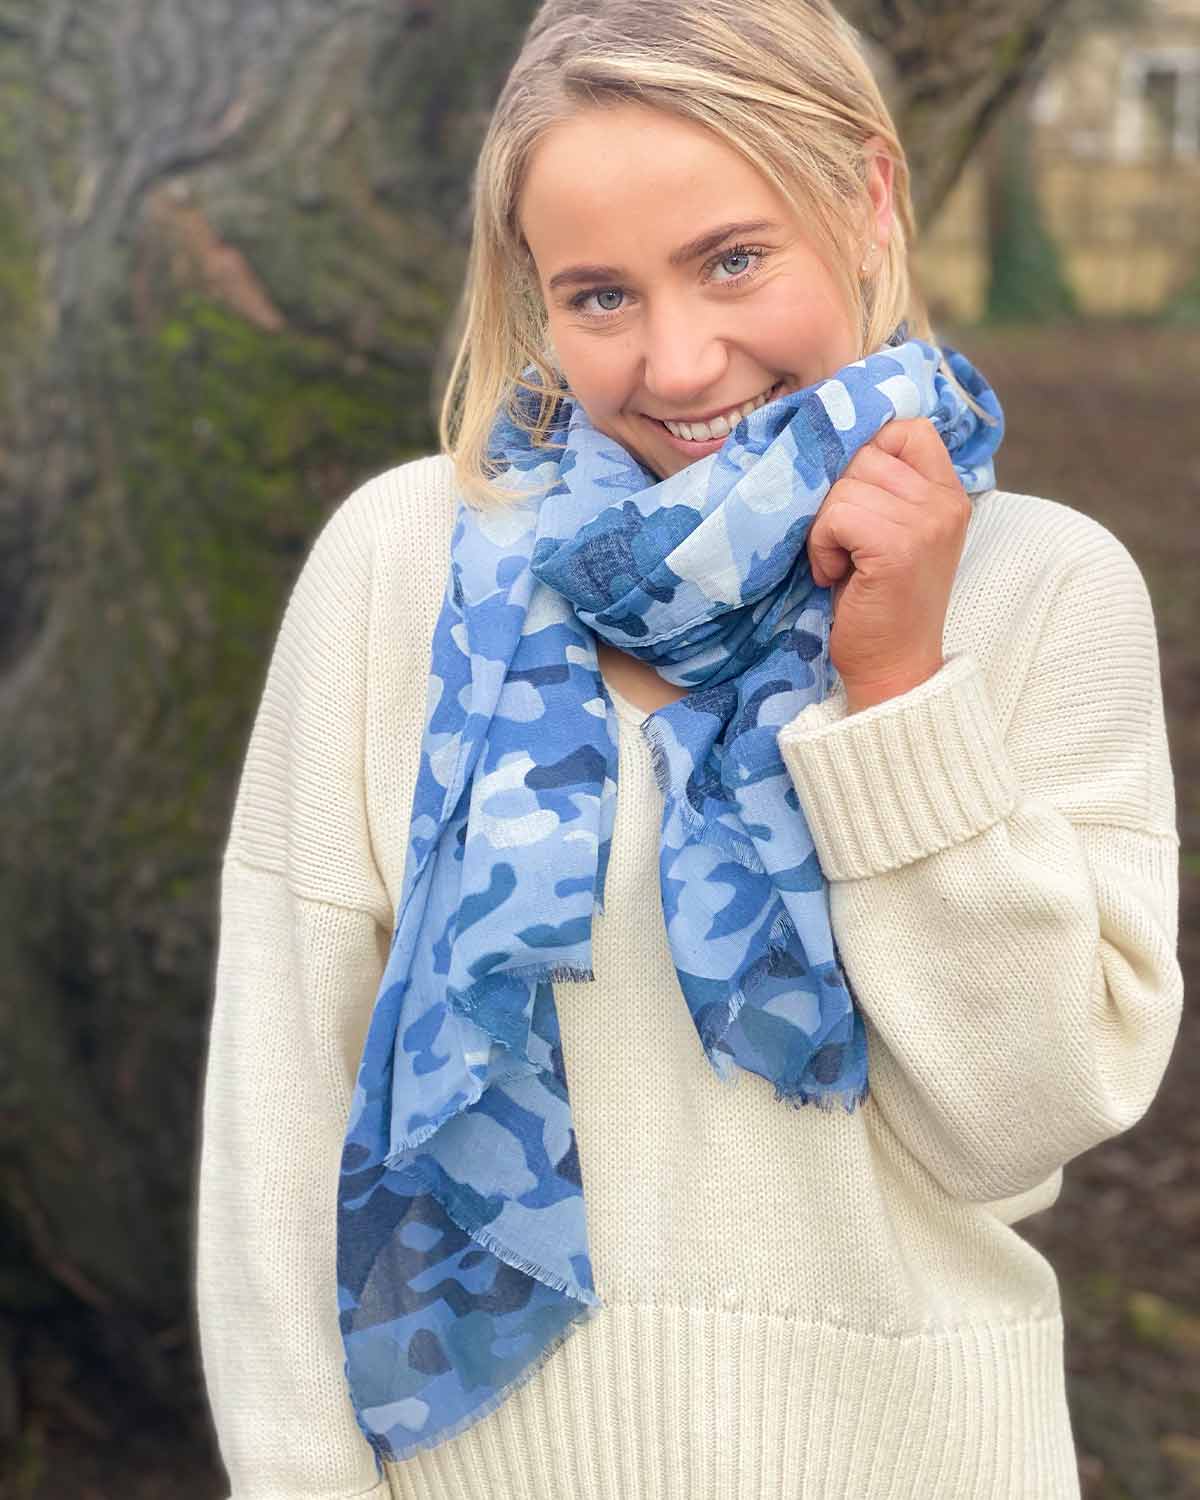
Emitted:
pixel 858 764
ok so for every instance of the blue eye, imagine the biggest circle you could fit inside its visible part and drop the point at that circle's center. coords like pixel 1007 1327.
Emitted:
pixel 751 256
pixel 581 299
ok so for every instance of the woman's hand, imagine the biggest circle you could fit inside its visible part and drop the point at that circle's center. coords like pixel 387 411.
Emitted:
pixel 889 536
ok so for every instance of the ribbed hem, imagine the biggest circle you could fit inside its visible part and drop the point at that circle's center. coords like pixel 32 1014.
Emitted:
pixel 650 1402
pixel 910 776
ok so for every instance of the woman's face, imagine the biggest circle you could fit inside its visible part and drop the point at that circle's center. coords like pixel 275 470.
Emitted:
pixel 678 283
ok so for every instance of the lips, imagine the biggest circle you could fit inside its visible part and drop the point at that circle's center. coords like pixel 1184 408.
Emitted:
pixel 718 428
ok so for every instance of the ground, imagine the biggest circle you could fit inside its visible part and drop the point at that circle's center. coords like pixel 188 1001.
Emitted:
pixel 1105 420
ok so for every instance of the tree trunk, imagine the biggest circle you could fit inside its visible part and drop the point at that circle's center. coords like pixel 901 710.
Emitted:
pixel 1026 282
pixel 950 69
pixel 230 237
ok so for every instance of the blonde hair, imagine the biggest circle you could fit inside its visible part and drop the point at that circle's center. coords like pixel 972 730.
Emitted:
pixel 784 82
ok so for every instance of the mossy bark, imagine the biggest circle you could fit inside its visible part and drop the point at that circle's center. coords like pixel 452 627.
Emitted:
pixel 230 238
pixel 951 68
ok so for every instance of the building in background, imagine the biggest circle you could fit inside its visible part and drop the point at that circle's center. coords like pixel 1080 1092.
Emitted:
pixel 1112 137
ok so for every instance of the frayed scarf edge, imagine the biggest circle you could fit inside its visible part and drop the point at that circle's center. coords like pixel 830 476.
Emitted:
pixel 385 1453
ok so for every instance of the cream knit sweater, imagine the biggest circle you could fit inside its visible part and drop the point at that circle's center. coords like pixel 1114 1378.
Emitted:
pixel 800 1305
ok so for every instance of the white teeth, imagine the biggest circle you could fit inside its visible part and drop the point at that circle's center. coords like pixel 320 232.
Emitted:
pixel 722 426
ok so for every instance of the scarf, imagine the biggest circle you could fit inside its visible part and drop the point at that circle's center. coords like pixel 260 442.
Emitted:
pixel 462 1252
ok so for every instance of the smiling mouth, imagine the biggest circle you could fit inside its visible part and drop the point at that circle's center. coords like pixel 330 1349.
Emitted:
pixel 720 426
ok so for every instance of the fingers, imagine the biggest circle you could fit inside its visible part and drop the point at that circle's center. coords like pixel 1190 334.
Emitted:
pixel 914 441
pixel 898 494
pixel 874 466
pixel 857 529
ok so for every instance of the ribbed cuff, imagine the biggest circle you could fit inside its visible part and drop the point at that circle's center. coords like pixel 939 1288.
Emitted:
pixel 910 776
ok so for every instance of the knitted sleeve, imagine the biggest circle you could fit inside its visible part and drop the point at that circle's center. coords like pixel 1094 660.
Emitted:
pixel 304 928
pixel 1004 897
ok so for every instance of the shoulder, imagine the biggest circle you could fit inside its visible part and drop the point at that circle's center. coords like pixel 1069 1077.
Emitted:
pixel 392 536
pixel 1039 539
pixel 342 706
pixel 383 551
pixel 1045 593
pixel 404 513
pixel 1071 657
pixel 1026 556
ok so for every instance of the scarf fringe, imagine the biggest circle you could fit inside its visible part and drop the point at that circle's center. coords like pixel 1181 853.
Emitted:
pixel 464 1001
pixel 781 934
pixel 783 931
pixel 493 1246
pixel 486 1240
pixel 714 834
pixel 798 1096
pixel 401 1156
pixel 659 760
pixel 385 1453
pixel 791 1091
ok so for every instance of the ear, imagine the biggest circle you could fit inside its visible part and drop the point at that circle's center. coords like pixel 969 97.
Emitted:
pixel 879 189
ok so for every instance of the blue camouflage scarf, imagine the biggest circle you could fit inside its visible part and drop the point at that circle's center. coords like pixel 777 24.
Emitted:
pixel 462 1245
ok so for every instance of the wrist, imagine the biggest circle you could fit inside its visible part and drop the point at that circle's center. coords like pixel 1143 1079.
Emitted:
pixel 861 695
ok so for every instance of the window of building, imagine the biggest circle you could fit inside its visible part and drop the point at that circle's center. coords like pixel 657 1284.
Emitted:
pixel 1158 111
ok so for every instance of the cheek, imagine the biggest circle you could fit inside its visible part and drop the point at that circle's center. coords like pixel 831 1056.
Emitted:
pixel 597 370
pixel 803 305
pixel 805 330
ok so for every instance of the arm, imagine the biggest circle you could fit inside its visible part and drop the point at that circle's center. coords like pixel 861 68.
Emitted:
pixel 304 927
pixel 1005 904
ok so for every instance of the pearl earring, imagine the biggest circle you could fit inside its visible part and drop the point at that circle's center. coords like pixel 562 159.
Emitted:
pixel 864 266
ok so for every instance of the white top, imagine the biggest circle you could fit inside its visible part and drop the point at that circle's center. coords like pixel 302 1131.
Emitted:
pixel 800 1303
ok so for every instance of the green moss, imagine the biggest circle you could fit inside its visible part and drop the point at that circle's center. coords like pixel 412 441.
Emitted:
pixel 216 451
pixel 175 337
pixel 20 280
pixel 1184 306
pixel 1164 1325
pixel 1011 48
pixel 25 1469
pixel 235 445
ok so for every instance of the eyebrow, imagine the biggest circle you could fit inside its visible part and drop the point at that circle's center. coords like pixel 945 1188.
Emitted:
pixel 575 275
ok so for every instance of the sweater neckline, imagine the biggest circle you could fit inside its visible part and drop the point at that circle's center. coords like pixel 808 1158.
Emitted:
pixel 625 710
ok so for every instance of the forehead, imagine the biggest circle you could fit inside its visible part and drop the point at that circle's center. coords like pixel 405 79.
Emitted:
pixel 624 179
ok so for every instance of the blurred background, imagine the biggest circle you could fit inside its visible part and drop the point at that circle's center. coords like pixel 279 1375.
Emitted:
pixel 232 237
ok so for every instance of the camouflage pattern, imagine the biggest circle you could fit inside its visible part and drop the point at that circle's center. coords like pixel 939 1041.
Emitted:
pixel 462 1243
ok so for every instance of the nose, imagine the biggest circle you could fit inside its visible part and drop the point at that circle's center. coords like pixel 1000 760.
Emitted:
pixel 683 358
